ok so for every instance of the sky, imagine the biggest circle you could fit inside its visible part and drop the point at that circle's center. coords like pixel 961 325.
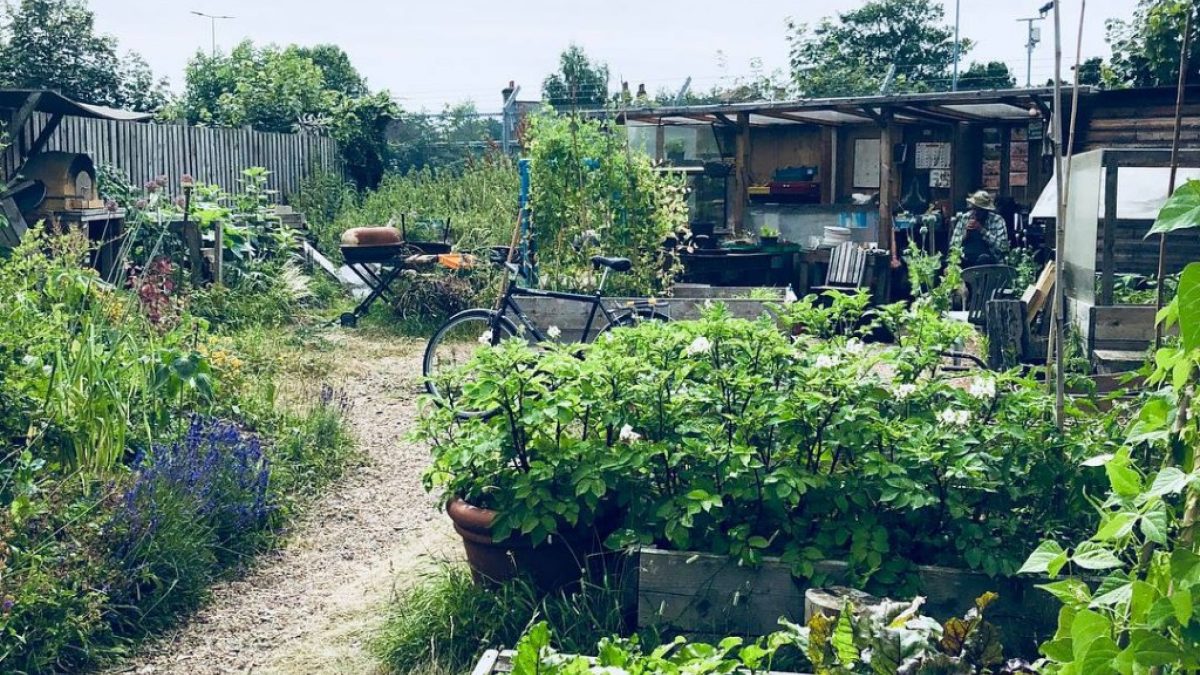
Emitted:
pixel 429 53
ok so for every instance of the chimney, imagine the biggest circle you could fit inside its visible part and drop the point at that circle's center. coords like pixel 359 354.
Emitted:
pixel 507 91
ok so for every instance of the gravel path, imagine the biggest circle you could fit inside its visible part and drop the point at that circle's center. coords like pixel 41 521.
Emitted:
pixel 311 606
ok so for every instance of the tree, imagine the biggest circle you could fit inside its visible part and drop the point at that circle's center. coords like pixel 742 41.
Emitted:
pixel 1146 48
pixel 990 75
pixel 339 73
pixel 1092 72
pixel 53 44
pixel 851 54
pixel 265 88
pixel 285 90
pixel 578 83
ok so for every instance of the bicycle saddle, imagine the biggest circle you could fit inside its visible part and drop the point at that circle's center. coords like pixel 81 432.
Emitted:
pixel 614 264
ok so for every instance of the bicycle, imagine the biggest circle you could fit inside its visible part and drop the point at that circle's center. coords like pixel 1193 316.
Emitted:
pixel 456 340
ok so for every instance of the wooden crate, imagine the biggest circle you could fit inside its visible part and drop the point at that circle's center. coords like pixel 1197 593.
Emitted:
pixel 708 597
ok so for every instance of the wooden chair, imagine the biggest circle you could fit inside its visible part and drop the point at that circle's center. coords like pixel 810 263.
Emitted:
pixel 982 282
pixel 847 268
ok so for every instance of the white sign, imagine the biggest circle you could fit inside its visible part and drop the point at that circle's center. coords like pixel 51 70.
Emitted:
pixel 866 163
pixel 933 155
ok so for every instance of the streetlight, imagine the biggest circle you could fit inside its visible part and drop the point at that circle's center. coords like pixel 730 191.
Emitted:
pixel 957 47
pixel 1035 37
pixel 213 19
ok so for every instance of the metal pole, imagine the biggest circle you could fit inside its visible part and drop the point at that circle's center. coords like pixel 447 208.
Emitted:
pixel 1179 97
pixel 1029 56
pixel 957 44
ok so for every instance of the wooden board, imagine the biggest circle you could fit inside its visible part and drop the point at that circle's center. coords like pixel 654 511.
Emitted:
pixel 709 596
pixel 1036 295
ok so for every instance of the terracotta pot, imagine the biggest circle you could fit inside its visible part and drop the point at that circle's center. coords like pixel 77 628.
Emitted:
pixel 561 562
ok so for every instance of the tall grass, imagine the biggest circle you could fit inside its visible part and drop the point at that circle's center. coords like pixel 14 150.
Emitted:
pixel 480 200
pixel 444 622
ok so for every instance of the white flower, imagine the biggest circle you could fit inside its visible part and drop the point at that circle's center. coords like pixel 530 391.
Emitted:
pixel 700 345
pixel 983 388
pixel 827 361
pixel 903 391
pixel 954 418
pixel 855 347
pixel 29 360
pixel 553 332
pixel 628 435
pixel 486 338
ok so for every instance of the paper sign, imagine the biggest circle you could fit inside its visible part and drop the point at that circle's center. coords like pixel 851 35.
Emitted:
pixel 933 155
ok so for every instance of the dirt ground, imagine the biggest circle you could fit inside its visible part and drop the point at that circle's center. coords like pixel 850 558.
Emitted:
pixel 312 605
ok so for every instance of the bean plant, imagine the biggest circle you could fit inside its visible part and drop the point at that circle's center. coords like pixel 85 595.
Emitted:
pixel 1141 615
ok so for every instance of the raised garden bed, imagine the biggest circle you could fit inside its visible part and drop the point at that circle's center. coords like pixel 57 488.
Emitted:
pixel 706 596
pixel 687 302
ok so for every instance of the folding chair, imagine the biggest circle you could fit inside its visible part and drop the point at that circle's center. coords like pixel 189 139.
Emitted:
pixel 847 267
pixel 983 282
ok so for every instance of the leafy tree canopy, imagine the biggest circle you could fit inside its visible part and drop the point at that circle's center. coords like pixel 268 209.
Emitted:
pixel 850 54
pixel 1146 48
pixel 53 44
pixel 990 75
pixel 305 89
pixel 579 82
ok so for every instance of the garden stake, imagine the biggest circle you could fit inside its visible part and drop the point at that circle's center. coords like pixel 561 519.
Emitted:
pixel 1162 238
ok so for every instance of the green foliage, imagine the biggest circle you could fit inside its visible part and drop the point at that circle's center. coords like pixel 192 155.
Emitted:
pixel 452 140
pixel 311 90
pixel 579 83
pixel 1140 615
pixel 893 637
pixel 53 44
pixel 1181 212
pixel 1146 48
pixel 850 54
pixel 591 194
pixel 725 436
pixel 98 542
pixel 990 75
pixel 445 621
pixel 535 656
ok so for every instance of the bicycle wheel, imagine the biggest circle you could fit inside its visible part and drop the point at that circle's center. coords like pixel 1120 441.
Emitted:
pixel 632 319
pixel 453 344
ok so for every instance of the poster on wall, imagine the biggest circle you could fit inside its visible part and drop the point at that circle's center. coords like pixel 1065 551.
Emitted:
pixel 866 163
pixel 939 178
pixel 933 156
pixel 1018 179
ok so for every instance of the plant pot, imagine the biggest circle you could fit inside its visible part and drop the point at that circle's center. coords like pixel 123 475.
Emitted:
pixel 561 562
pixel 768 241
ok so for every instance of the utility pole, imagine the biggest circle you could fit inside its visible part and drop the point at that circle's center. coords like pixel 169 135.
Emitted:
pixel 213 18
pixel 1035 38
pixel 957 43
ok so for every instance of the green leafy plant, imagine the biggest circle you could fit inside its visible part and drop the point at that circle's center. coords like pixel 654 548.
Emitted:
pixel 893 638
pixel 590 194
pixel 726 436
pixel 1141 614
pixel 536 656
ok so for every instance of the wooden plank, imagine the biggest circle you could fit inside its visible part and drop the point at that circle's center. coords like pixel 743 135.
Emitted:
pixel 706 595
pixel 1121 327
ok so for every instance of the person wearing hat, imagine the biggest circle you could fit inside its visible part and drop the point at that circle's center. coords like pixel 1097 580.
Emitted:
pixel 980 233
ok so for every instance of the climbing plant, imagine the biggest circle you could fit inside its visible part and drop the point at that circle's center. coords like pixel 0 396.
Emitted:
pixel 591 194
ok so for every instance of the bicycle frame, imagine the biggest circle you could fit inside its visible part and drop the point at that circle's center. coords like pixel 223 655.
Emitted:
pixel 595 300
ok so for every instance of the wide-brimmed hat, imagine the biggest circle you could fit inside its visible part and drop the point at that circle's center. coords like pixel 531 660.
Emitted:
pixel 982 200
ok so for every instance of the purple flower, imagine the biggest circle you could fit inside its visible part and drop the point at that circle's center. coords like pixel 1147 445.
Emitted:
pixel 186 181
pixel 141 204
pixel 180 202
pixel 151 186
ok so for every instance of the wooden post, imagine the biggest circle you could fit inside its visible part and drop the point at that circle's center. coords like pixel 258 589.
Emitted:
pixel 219 252
pixel 1007 334
pixel 660 143
pixel 887 173
pixel 1107 261
pixel 1181 93
pixel 742 173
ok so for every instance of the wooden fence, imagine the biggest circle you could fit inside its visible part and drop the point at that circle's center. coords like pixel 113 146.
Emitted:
pixel 211 155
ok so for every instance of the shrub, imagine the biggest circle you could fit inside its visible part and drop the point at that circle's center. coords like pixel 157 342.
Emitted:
pixel 726 436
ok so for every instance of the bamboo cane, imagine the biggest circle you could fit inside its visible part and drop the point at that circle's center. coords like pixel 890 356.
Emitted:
pixel 1162 238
